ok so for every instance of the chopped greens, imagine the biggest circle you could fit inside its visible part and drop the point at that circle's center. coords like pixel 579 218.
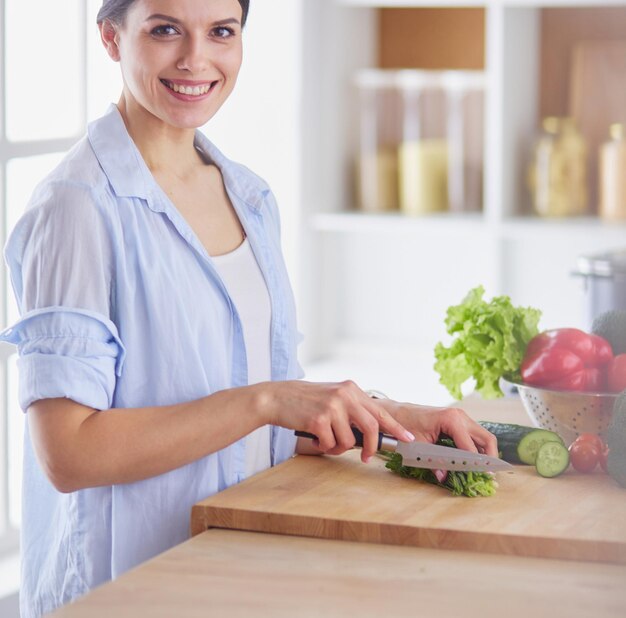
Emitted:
pixel 470 484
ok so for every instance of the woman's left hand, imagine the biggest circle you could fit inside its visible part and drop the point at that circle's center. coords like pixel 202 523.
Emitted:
pixel 427 423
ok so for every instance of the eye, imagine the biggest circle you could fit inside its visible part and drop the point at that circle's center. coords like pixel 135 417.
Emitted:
pixel 164 30
pixel 223 32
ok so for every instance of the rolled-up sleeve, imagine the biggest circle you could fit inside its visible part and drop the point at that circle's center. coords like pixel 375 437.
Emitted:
pixel 69 353
pixel 60 257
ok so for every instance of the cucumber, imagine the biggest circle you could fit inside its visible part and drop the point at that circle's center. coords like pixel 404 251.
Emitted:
pixel 552 459
pixel 518 444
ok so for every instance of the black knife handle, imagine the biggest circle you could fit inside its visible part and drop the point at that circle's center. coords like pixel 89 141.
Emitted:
pixel 358 436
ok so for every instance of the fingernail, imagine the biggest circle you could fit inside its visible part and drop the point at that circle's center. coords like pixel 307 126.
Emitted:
pixel 441 475
pixel 368 459
pixel 409 436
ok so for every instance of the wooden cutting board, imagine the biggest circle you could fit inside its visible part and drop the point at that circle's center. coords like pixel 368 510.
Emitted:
pixel 574 516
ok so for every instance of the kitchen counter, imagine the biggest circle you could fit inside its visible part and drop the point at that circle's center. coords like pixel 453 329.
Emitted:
pixel 244 574
pixel 329 536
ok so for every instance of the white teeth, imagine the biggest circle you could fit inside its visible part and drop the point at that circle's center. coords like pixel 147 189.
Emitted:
pixel 188 90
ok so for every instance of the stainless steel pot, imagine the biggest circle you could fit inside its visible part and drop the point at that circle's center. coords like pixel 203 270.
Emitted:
pixel 604 277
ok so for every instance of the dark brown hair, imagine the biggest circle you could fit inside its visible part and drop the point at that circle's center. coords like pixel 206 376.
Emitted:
pixel 115 11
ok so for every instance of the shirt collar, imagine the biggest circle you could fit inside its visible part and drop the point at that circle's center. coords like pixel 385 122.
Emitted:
pixel 130 177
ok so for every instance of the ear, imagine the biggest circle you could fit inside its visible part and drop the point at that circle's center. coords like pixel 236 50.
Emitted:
pixel 108 34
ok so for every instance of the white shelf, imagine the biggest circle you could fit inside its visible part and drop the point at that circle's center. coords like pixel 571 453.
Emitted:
pixel 528 228
pixel 396 223
pixel 390 277
pixel 451 224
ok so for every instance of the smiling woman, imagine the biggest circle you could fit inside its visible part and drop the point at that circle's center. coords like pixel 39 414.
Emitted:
pixel 157 331
pixel 179 68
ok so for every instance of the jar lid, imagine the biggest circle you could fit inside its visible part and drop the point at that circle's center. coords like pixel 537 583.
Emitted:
pixel 604 264
pixel 375 79
pixel 417 79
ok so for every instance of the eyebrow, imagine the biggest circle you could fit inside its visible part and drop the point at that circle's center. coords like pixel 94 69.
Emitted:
pixel 161 17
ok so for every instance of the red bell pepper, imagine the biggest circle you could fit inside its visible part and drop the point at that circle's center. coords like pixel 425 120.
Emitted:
pixel 566 359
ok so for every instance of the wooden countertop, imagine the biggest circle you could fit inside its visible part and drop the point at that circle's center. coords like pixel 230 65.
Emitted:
pixel 574 516
pixel 244 574
pixel 241 573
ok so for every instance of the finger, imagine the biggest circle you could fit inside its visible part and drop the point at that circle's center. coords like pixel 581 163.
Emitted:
pixel 344 438
pixel 441 475
pixel 325 437
pixel 486 441
pixel 388 424
pixel 468 434
pixel 369 428
pixel 482 440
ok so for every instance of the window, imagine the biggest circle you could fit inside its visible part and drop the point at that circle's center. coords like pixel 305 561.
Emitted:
pixel 54 77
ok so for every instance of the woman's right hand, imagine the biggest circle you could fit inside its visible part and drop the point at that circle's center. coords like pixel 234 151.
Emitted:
pixel 329 410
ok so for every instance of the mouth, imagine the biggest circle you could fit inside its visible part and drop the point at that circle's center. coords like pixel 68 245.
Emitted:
pixel 196 90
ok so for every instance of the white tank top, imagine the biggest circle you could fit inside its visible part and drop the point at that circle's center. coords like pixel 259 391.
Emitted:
pixel 246 286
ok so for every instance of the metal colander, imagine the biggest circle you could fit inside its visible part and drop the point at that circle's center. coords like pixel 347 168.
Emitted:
pixel 568 413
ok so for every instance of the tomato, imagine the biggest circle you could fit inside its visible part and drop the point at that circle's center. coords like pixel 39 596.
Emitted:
pixel 616 374
pixel 593 438
pixel 584 456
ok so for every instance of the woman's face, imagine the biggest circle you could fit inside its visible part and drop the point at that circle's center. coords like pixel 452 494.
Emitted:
pixel 179 60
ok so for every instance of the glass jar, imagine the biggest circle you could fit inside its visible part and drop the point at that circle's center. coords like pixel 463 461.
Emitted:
pixel 376 166
pixel 612 175
pixel 465 138
pixel 423 154
pixel 557 178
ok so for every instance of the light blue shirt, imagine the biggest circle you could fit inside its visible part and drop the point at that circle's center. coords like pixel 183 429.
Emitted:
pixel 121 307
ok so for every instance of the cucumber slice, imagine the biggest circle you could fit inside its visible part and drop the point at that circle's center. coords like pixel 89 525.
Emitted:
pixel 530 445
pixel 552 459
pixel 518 444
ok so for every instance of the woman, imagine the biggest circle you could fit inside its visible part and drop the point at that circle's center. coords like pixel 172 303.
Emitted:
pixel 158 336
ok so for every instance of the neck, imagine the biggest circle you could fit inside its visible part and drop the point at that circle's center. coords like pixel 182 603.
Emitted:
pixel 162 146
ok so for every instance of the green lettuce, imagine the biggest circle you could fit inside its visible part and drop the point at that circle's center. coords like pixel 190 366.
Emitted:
pixel 489 341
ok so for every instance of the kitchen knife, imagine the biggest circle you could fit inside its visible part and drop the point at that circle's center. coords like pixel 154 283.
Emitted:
pixel 432 456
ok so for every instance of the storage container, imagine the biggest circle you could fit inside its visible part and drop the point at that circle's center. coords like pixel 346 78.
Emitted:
pixel 612 175
pixel 376 166
pixel 557 175
pixel 423 156
pixel 420 140
pixel 604 277
pixel 465 136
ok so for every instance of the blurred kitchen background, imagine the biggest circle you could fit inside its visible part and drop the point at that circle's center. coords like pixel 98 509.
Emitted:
pixel 417 149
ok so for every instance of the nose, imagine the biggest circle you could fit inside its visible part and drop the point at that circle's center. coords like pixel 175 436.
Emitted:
pixel 194 56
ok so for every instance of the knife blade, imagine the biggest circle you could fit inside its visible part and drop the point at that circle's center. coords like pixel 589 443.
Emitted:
pixel 432 456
